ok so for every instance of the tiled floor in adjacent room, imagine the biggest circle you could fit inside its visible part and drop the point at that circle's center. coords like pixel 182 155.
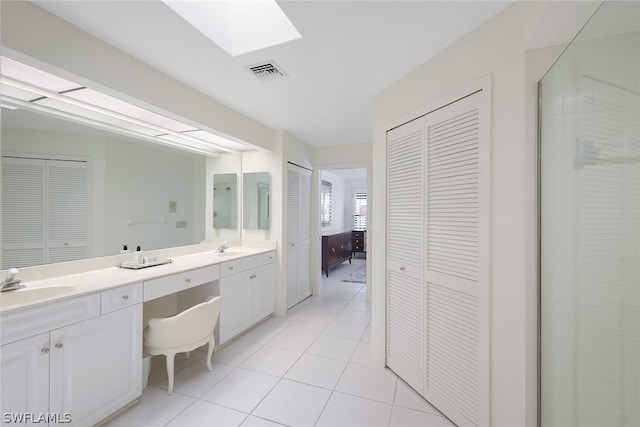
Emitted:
pixel 309 368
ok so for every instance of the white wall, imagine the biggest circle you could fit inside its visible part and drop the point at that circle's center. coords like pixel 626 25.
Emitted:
pixel 496 48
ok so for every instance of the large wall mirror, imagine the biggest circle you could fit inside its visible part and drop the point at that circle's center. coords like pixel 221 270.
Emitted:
pixel 117 190
pixel 256 200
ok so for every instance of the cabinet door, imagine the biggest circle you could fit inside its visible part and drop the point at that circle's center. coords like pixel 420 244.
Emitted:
pixel 96 365
pixel 25 378
pixel 262 293
pixel 235 312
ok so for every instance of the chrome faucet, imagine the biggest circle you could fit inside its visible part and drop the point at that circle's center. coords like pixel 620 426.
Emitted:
pixel 11 283
pixel 222 248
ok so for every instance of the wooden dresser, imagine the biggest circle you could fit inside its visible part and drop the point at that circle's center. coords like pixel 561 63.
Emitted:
pixel 336 249
pixel 359 241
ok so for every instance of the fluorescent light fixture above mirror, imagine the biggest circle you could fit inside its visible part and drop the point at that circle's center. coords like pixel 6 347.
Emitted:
pixel 238 26
pixel 26 87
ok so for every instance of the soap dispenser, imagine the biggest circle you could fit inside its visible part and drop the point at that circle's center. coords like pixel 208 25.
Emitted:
pixel 138 258
pixel 125 250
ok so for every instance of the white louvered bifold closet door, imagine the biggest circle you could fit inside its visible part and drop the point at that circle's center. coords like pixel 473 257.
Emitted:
pixel 405 292
pixel 44 211
pixel 457 260
pixel 438 257
pixel 304 236
pixel 298 230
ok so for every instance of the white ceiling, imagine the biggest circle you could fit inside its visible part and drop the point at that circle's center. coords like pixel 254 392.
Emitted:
pixel 349 51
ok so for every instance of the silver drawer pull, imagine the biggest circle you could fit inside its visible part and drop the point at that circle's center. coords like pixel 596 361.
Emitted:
pixel 44 350
pixel 125 297
pixel 402 269
pixel 253 276
pixel 188 280
pixel 59 346
pixel 230 268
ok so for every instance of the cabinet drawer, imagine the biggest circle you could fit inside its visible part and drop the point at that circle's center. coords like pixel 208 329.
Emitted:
pixel 358 234
pixel 32 321
pixel 269 257
pixel 156 288
pixel 121 297
pixel 241 264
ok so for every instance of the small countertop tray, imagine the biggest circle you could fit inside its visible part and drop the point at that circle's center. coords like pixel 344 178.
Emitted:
pixel 151 263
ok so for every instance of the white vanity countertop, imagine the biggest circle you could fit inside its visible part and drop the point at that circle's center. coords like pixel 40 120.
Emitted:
pixel 103 279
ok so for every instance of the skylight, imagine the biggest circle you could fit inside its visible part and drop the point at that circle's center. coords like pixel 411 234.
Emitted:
pixel 238 26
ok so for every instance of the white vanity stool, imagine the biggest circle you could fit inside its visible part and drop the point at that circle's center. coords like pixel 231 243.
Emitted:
pixel 183 332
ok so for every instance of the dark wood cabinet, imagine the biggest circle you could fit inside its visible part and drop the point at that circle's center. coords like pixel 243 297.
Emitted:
pixel 359 242
pixel 336 249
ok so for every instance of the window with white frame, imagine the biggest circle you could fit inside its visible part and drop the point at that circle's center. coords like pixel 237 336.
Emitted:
pixel 325 203
pixel 360 210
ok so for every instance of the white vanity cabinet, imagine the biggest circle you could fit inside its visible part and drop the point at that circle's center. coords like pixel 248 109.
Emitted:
pixel 246 288
pixel 261 287
pixel 25 378
pixel 80 369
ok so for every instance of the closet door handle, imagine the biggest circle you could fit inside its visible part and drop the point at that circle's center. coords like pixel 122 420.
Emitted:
pixel 402 269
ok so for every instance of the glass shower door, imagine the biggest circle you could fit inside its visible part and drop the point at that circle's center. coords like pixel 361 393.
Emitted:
pixel 590 225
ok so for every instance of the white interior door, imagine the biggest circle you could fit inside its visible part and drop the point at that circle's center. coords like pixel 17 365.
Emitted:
pixel 405 293
pixel 298 234
pixel 457 260
pixel 438 257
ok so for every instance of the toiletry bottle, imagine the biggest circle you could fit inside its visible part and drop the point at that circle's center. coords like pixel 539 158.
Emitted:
pixel 137 256
pixel 125 250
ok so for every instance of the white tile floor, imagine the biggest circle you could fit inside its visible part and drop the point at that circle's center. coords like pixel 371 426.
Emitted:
pixel 309 368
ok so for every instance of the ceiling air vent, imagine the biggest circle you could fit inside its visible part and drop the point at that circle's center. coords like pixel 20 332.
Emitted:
pixel 267 71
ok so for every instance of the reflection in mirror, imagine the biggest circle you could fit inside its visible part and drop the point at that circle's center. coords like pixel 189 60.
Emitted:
pixel 256 200
pixel 136 193
pixel 225 196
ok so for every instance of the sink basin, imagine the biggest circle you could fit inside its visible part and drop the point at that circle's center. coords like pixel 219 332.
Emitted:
pixel 31 295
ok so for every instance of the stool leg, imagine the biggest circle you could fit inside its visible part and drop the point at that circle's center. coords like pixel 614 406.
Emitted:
pixel 170 358
pixel 212 342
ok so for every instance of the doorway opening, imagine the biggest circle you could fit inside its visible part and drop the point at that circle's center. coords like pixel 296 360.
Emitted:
pixel 342 245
